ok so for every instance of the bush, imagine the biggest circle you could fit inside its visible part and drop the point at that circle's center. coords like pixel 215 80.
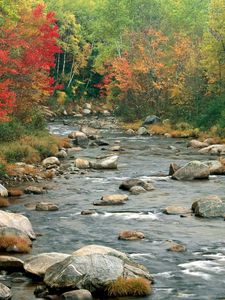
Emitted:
pixel 18 152
pixel 10 131
pixel 129 287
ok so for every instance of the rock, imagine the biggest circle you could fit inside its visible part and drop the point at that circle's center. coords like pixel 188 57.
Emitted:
pixel 38 264
pixel 87 106
pixel 46 206
pixel 3 191
pixel 17 221
pixel 152 119
pixel 15 192
pixel 88 212
pixel 89 131
pixel 192 170
pixel 106 113
pixel 101 142
pixel 142 131
pixel 86 111
pixel 112 200
pixel 116 148
pixel 208 207
pixel 176 210
pixel 97 249
pixel 213 149
pixel 34 190
pixel 173 168
pixel 131 235
pixel 77 295
pixel 92 272
pixel 216 167
pixel 197 144
pixel 136 190
pixel 50 162
pixel 209 141
pixel 81 140
pixel 130 131
pixel 10 262
pixel 128 184
pixel 5 293
pixel 82 163
pixel 105 163
pixel 177 248
pixel 61 154
pixel 14 240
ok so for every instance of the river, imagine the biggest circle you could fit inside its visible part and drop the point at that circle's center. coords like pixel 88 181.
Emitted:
pixel 198 273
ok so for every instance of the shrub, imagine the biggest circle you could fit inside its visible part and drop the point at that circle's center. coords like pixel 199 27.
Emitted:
pixel 129 287
pixel 19 152
pixel 10 131
pixel 10 242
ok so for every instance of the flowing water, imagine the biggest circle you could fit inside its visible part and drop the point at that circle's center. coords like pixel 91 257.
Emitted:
pixel 198 273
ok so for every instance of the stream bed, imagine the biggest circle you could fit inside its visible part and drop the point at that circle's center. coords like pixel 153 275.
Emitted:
pixel 198 273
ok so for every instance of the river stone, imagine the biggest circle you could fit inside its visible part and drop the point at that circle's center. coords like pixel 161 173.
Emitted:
pixel 89 131
pixel 208 207
pixel 174 247
pixel 115 148
pixel 98 249
pixel 77 295
pixel 81 140
pixel 46 206
pixel 173 168
pixel 61 154
pixel 92 272
pixel 136 190
pixel 3 191
pixel 15 192
pixel 82 163
pixel 87 106
pixel 142 131
pixel 130 131
pixel 88 212
pixel 50 162
pixel 152 119
pixel 192 170
pixel 10 232
pixel 34 190
pixel 105 163
pixel 128 184
pixel 197 144
pixel 10 262
pixel 131 235
pixel 86 111
pixel 38 264
pixel 17 221
pixel 116 199
pixel 213 149
pixel 176 210
pixel 216 167
pixel 5 293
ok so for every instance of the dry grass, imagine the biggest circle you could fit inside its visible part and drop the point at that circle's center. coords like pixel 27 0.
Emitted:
pixel 159 129
pixel 11 242
pixel 13 192
pixel 129 287
pixel 4 202
pixel 134 125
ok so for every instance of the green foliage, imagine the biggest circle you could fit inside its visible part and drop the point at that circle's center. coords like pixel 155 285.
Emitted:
pixel 10 131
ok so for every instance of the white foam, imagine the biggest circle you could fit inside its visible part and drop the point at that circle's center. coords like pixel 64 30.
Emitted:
pixel 130 216
pixel 164 274
pixel 142 255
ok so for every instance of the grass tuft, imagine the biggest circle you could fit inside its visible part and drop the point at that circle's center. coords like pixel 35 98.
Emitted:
pixel 129 287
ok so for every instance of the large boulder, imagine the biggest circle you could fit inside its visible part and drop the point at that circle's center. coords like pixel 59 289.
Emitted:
pixel 208 207
pixel 142 131
pixel 3 191
pixel 93 272
pixel 112 200
pixel 50 162
pixel 14 240
pixel 5 292
pixel 10 262
pixel 152 119
pixel 105 163
pixel 197 144
pixel 192 170
pixel 38 264
pixel 98 249
pixel 217 149
pixel 216 167
pixel 17 221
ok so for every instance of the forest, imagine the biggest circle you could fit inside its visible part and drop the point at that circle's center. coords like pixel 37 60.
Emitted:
pixel 162 57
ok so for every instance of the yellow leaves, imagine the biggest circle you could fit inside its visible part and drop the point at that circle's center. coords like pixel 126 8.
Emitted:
pixel 61 97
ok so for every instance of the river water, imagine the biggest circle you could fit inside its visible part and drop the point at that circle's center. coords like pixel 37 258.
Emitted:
pixel 198 273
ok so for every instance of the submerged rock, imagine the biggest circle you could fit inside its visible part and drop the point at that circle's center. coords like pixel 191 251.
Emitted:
pixel 10 262
pixel 176 210
pixel 131 235
pixel 5 292
pixel 128 184
pixel 136 190
pixel 17 221
pixel 192 170
pixel 46 206
pixel 208 207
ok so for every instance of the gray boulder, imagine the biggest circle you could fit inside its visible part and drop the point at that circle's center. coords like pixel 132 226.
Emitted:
pixel 105 163
pixel 142 131
pixel 93 272
pixel 136 190
pixel 208 207
pixel 192 170
pixel 77 295
pixel 152 119
pixel 216 167
pixel 17 221
pixel 38 264
pixel 217 149
pixel 50 162
pixel 5 293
